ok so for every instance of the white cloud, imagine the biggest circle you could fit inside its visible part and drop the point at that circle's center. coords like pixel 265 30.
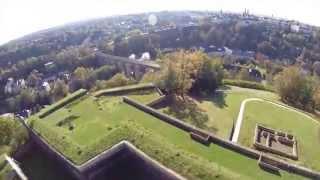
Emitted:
pixel 20 17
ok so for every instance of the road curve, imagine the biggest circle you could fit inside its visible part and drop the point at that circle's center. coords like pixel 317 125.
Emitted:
pixel 241 112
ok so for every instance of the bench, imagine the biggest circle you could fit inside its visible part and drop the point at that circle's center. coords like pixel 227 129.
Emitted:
pixel 200 138
pixel 268 164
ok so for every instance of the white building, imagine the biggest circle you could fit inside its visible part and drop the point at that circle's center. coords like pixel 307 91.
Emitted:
pixel 10 86
pixel 46 86
pixel 295 28
pixel 145 56
pixel 132 57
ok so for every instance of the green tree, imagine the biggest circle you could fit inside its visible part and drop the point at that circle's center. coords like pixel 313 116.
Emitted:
pixel 60 90
pixel 82 78
pixel 12 133
pixel 6 130
pixel 244 74
pixel 118 80
pixel 27 98
pixel 210 76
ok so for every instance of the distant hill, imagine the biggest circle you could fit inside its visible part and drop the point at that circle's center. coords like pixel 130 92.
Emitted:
pixel 276 38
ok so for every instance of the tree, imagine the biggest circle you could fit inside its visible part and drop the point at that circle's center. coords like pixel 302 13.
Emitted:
pixel 180 69
pixel 118 80
pixel 103 73
pixel 12 133
pixel 244 74
pixel 12 104
pixel 295 88
pixel 121 48
pixel 27 98
pixel 60 90
pixel 316 97
pixel 316 68
pixel 210 76
pixel 149 76
pixel 6 130
pixel 82 78
pixel 33 78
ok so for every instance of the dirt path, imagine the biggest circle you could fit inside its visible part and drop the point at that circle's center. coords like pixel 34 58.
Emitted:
pixel 241 112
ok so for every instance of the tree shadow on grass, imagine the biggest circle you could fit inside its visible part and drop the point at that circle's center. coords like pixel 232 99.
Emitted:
pixel 218 98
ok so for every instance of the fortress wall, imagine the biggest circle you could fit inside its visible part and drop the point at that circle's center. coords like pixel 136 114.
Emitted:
pixel 55 155
pixel 290 167
pixel 121 150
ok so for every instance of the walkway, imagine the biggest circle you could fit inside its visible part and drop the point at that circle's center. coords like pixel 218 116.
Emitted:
pixel 241 112
pixel 16 167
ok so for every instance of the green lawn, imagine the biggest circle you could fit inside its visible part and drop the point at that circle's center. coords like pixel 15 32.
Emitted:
pixel 306 131
pixel 223 108
pixel 101 122
pixel 145 97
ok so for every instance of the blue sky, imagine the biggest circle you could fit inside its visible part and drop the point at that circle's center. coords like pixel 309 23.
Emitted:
pixel 21 17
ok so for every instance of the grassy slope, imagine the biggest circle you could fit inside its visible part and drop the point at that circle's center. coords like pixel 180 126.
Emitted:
pixel 94 128
pixel 305 130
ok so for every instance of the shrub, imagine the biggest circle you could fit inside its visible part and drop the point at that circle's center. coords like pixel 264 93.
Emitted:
pixel 124 89
pixel 45 112
pixel 247 84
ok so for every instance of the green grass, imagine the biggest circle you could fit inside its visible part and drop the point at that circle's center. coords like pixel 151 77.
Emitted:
pixel 145 98
pixel 223 108
pixel 103 122
pixel 305 130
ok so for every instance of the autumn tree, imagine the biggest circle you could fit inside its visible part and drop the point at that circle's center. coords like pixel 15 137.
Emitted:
pixel 179 71
pixel 295 88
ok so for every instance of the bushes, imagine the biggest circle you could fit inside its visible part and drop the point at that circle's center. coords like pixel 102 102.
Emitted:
pixel 247 84
pixel 124 89
pixel 45 112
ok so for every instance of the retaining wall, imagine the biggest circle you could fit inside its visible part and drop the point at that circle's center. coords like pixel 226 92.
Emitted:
pixel 55 155
pixel 90 168
pixel 225 143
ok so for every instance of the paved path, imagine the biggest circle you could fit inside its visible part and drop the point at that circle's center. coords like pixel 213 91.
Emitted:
pixel 236 131
pixel 241 112
pixel 16 167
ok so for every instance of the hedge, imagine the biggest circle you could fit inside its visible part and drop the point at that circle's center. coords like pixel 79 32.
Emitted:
pixel 247 84
pixel 71 97
pixel 124 89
